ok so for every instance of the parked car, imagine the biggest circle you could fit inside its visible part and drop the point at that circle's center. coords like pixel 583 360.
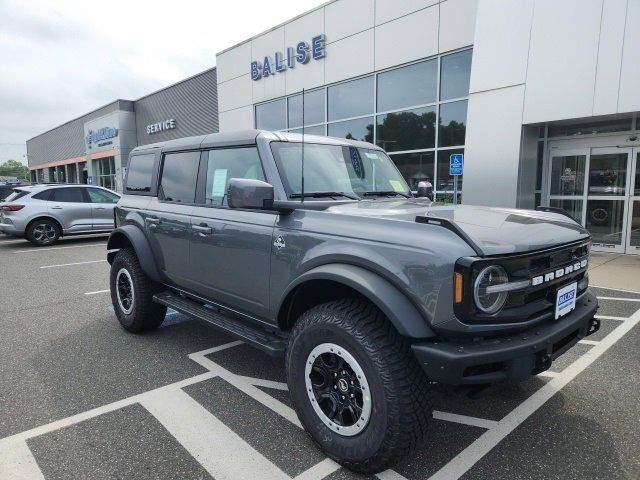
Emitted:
pixel 44 213
pixel 369 293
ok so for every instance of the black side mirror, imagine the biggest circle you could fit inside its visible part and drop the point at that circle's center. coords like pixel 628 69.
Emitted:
pixel 425 189
pixel 250 194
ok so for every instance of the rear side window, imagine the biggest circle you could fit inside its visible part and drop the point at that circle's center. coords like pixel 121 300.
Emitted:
pixel 44 195
pixel 179 177
pixel 140 173
pixel 67 195
pixel 15 195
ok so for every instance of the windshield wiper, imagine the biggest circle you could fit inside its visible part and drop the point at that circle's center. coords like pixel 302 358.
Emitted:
pixel 352 196
pixel 383 193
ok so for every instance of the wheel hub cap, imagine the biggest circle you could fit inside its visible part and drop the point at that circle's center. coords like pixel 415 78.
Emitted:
pixel 124 291
pixel 338 389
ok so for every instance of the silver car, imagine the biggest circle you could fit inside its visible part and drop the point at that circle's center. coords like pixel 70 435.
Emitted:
pixel 44 213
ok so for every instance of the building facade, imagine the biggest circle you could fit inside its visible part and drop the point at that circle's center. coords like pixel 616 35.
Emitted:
pixel 541 97
pixel 94 147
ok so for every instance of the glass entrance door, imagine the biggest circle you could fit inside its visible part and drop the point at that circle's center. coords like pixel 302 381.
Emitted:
pixel 633 222
pixel 600 188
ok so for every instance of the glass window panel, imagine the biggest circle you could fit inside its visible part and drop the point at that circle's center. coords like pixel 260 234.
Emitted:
pixel 313 108
pixel 576 129
pixel 225 164
pixel 445 181
pixel 540 160
pixel 351 99
pixel 315 130
pixel 567 175
pixel 608 174
pixel 179 174
pixel 416 167
pixel 139 173
pixel 635 225
pixel 409 130
pixel 455 70
pixel 272 115
pixel 67 195
pixel 358 129
pixel 452 124
pixel 101 196
pixel 407 86
pixel 636 190
pixel 448 197
pixel 605 220
pixel 573 207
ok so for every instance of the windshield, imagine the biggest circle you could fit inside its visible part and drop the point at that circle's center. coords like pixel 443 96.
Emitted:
pixel 334 168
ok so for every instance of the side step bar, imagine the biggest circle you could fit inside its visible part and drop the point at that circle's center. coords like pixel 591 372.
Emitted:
pixel 270 343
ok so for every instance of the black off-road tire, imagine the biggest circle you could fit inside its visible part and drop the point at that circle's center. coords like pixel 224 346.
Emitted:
pixel 43 232
pixel 141 314
pixel 400 391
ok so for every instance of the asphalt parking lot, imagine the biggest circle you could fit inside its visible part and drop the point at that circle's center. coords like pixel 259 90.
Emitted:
pixel 81 398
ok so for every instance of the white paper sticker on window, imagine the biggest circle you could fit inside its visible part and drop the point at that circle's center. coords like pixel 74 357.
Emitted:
pixel 372 156
pixel 219 182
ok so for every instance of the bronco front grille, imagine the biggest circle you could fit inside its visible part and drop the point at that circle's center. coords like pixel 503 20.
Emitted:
pixel 535 302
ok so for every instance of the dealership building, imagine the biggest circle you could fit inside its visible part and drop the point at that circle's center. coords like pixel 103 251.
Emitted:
pixel 540 96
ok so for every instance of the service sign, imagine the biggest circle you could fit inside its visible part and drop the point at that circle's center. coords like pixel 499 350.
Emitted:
pixel 168 124
pixel 279 62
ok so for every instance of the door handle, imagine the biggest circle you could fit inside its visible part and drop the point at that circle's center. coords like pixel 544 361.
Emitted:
pixel 153 222
pixel 100 208
pixel 202 230
pixel 57 207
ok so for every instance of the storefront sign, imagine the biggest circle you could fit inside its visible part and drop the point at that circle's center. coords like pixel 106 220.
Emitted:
pixel 168 124
pixel 302 53
pixel 99 135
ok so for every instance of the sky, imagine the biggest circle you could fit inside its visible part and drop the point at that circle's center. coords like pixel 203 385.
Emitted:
pixel 60 59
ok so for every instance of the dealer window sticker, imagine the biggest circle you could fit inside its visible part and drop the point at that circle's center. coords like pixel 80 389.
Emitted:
pixel 219 182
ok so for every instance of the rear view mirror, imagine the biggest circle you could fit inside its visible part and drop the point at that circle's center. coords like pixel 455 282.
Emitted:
pixel 250 194
pixel 425 189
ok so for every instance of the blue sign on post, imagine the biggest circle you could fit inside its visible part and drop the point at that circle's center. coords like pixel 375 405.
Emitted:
pixel 456 161
pixel 90 180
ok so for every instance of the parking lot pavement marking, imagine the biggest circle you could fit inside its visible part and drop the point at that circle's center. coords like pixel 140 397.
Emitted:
pixel 319 470
pixel 72 264
pixel 464 419
pixel 548 374
pixel 214 445
pixel 97 292
pixel 466 459
pixel 621 299
pixel 617 289
pixel 617 319
pixel 261 382
pixel 243 385
pixel 390 475
pixel 46 249
pixel 17 463
pixel 589 342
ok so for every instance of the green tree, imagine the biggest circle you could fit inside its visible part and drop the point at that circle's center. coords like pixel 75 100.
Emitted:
pixel 13 168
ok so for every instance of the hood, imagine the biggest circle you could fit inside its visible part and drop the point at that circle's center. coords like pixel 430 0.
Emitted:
pixel 496 231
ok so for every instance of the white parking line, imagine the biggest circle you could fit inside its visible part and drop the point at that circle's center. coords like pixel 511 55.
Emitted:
pixel 464 419
pixel 617 319
pixel 390 475
pixel 589 342
pixel 621 299
pixel 548 374
pixel 72 264
pixel 616 289
pixel 214 445
pixel 46 249
pixel 17 463
pixel 97 292
pixel 466 459
pixel 320 470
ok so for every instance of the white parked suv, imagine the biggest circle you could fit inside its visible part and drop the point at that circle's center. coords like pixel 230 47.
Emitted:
pixel 44 213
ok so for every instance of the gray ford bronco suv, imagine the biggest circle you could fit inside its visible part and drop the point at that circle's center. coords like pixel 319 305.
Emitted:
pixel 369 293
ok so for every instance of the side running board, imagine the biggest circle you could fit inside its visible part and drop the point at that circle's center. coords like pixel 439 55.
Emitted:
pixel 270 343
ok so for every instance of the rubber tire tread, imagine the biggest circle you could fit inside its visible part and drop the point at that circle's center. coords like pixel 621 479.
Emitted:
pixel 408 391
pixel 147 315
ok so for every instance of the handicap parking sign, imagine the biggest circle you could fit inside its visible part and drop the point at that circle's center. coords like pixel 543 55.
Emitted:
pixel 456 161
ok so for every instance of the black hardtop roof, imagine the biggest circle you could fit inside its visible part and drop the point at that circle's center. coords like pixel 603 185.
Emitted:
pixel 245 137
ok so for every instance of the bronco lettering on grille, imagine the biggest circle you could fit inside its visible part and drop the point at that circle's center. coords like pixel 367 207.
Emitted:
pixel 559 272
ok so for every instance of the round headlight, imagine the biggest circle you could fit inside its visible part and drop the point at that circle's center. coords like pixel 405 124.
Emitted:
pixel 486 300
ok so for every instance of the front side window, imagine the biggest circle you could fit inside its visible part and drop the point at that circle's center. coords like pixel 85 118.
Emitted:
pixel 334 168
pixel 179 177
pixel 140 173
pixel 225 164
pixel 67 195
pixel 101 196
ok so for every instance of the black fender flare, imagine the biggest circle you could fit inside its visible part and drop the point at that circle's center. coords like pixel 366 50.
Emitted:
pixel 133 236
pixel 402 313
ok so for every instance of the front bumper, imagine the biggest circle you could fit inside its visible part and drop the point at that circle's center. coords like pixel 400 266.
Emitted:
pixel 514 357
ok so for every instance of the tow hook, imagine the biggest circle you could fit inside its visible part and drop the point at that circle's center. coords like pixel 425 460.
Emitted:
pixel 594 326
pixel 543 362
